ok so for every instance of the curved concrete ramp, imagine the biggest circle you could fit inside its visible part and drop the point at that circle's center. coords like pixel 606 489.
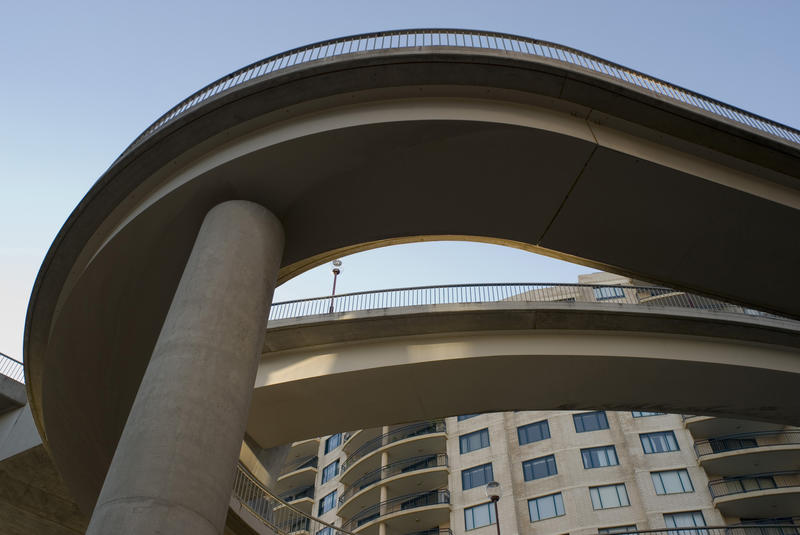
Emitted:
pixel 356 370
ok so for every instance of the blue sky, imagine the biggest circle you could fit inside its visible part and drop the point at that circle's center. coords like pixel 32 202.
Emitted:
pixel 82 79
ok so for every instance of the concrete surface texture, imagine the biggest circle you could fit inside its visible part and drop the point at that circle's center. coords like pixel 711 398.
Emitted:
pixel 393 146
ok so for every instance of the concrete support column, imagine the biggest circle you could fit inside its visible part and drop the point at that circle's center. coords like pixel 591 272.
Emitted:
pixel 173 469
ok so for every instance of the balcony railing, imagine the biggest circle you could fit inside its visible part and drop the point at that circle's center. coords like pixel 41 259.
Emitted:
pixel 739 529
pixel 436 39
pixel 312 461
pixel 434 531
pixel 400 467
pixel 401 503
pixel 298 494
pixel 753 483
pixel 745 441
pixel 275 513
pixel 651 297
pixel 401 433
pixel 12 368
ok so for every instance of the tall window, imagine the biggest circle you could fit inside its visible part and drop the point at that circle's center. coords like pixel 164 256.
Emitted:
pixel 533 432
pixel 477 476
pixel 672 482
pixel 330 471
pixel 325 531
pixel 599 457
pixel 546 507
pixel 333 442
pixel 686 519
pixel 590 421
pixel 327 503
pixel 467 417
pixel 609 496
pixel 660 442
pixel 643 414
pixel 479 516
pixel 608 292
pixel 539 468
pixel 474 441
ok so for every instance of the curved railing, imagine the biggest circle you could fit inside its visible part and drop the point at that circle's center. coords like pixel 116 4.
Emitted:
pixel 401 503
pixel 475 40
pixel 11 367
pixel 395 435
pixel 405 466
pixel 533 292
pixel 743 441
pixel 275 513
pixel 738 529
pixel 753 483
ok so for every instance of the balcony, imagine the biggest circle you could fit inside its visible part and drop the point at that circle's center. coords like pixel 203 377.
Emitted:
pixel 403 477
pixel 302 473
pixel 422 438
pixel 353 440
pixel 765 495
pixel 303 449
pixel 769 451
pixel 301 498
pixel 406 513
pixel 710 426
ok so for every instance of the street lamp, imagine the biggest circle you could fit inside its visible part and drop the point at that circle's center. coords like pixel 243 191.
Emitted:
pixel 493 493
pixel 336 265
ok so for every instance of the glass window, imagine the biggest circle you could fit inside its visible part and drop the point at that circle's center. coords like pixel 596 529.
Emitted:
pixel 730 444
pixel 327 503
pixel 643 414
pixel 687 519
pixel 599 457
pixel 616 529
pixel 474 441
pixel 672 482
pixel 609 496
pixel 546 507
pixel 325 531
pixel 590 421
pixel 539 468
pixel 333 442
pixel 533 432
pixel 477 476
pixel 467 416
pixel 479 516
pixel 660 442
pixel 330 471
pixel 608 292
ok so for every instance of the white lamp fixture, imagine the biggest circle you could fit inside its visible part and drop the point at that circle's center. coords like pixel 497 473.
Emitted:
pixel 493 490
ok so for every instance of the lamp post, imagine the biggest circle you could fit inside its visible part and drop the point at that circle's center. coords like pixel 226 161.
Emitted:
pixel 336 264
pixel 493 493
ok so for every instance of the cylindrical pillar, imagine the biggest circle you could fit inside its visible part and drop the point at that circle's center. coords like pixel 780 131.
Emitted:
pixel 174 465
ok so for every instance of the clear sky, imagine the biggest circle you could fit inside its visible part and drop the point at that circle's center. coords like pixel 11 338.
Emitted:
pixel 80 80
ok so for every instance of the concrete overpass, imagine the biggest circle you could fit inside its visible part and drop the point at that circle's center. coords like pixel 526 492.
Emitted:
pixel 395 137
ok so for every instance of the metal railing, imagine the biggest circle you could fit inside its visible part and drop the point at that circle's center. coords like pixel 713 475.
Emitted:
pixel 753 483
pixel 405 466
pixel 298 493
pixel 434 531
pixel 743 441
pixel 395 435
pixel 12 368
pixel 738 529
pixel 401 503
pixel 438 38
pixel 312 461
pixel 531 292
pixel 276 514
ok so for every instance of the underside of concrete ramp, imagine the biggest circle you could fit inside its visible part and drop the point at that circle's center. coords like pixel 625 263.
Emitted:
pixel 370 149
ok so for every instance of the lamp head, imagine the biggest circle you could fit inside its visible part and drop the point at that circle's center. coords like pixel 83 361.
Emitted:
pixel 493 490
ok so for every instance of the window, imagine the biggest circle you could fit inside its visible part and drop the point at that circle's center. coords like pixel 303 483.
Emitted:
pixel 608 292
pixel 327 503
pixel 616 529
pixel 333 442
pixel 539 468
pixel 325 531
pixel 467 417
pixel 643 414
pixel 685 520
pixel 474 441
pixel 546 507
pixel 609 496
pixel 660 442
pixel 330 471
pixel 672 482
pixel 599 457
pixel 729 444
pixel 533 432
pixel 477 476
pixel 590 421
pixel 479 516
